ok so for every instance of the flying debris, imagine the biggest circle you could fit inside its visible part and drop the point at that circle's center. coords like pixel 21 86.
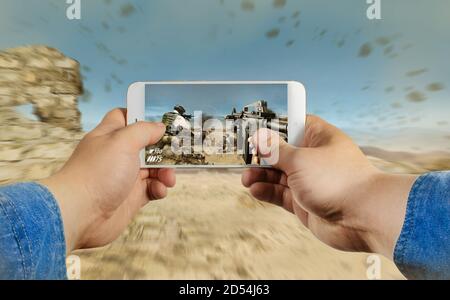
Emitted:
pixel 281 19
pixel 417 72
pixel 86 69
pixel 279 3
pixel 108 87
pixel 396 105
pixel 87 95
pixel 85 28
pixel 416 96
pixel 273 33
pixel 365 50
pixel 102 48
pixel 388 50
pixel 118 60
pixel 116 78
pixel 340 43
pixel 247 5
pixel 127 10
pixel 435 87
pixel 105 25
pixel 389 89
pixel 383 41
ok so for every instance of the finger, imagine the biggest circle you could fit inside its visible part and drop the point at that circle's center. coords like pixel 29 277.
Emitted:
pixel 148 173
pixel 318 133
pixel 254 175
pixel 273 193
pixel 301 214
pixel 137 199
pixel 156 190
pixel 144 173
pixel 167 177
pixel 276 151
pixel 142 134
pixel 113 120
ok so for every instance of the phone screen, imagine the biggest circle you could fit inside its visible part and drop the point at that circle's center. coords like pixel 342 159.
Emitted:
pixel 210 124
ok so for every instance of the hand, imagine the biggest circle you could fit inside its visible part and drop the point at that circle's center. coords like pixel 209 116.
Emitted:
pixel 101 187
pixel 333 189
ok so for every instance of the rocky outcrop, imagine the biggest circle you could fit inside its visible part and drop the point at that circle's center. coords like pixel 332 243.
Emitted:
pixel 49 81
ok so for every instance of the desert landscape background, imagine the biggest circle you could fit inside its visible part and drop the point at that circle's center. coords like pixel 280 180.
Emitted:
pixel 209 227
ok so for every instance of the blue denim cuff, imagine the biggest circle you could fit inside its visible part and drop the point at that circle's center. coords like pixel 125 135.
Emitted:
pixel 32 243
pixel 423 248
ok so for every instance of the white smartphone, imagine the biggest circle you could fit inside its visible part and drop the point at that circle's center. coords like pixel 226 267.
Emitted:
pixel 209 123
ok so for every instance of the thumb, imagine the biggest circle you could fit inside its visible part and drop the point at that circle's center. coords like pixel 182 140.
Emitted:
pixel 141 134
pixel 275 150
pixel 113 120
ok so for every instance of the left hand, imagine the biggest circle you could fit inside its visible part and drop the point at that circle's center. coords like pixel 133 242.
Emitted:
pixel 101 188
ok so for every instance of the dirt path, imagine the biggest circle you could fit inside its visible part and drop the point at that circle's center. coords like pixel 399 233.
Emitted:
pixel 210 227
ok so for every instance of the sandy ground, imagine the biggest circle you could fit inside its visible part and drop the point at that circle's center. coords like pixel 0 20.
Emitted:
pixel 209 227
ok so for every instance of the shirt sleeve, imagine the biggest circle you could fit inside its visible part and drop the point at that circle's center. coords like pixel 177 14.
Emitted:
pixel 32 243
pixel 423 248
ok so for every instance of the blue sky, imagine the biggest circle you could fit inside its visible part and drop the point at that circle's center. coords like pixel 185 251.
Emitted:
pixel 402 83
pixel 215 100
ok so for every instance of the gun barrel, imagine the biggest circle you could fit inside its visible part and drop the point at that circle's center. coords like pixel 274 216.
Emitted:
pixel 277 126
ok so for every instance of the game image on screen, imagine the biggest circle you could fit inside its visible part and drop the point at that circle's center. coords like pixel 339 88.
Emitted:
pixel 210 124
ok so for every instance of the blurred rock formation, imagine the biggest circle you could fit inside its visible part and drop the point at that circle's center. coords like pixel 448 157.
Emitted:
pixel 50 82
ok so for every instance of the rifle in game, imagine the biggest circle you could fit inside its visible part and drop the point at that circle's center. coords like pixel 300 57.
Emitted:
pixel 254 116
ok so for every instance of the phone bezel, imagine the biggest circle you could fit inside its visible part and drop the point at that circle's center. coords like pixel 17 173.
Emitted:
pixel 296 113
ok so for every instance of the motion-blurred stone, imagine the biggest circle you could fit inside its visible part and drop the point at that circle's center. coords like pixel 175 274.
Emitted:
pixel 50 82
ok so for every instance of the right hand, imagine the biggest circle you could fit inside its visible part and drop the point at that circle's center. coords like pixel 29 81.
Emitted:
pixel 333 189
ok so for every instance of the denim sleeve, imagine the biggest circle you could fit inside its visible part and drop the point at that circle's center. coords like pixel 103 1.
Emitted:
pixel 32 244
pixel 423 248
